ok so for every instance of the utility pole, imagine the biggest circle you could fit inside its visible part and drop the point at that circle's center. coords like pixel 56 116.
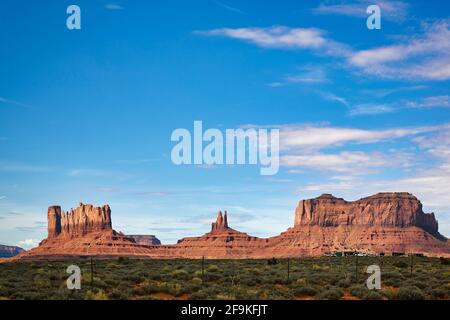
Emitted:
pixel 356 269
pixel 412 263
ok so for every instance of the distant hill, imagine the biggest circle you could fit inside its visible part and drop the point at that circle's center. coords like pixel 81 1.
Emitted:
pixel 9 251
pixel 145 239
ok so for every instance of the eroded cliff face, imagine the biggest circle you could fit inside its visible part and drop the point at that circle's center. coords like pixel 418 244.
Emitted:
pixel 78 222
pixel 383 223
pixel 397 210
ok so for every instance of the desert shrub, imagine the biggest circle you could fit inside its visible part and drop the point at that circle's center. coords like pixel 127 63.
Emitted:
pixel 344 283
pixel 121 294
pixel 199 295
pixel 198 274
pixel 438 293
pixel 99 295
pixel 138 291
pixel 150 288
pixel 133 278
pixel 392 278
pixel 300 282
pixel 180 274
pixel 410 293
pixel 279 280
pixel 445 261
pixel 248 281
pixel 358 290
pixel 156 276
pixel 253 271
pixel 272 262
pixel 123 260
pixel 212 268
pixel 321 277
pixel 64 294
pixel 4 291
pixel 401 264
pixel 276 293
pixel 419 284
pixel 212 290
pixel 196 281
pixel 331 294
pixel 372 295
pixel 246 295
pixel 304 290
pixel 389 293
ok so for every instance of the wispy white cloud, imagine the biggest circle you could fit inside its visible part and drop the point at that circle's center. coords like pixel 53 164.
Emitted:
pixel 89 172
pixel 431 102
pixel 396 11
pixel 282 37
pixel 13 102
pixel 425 57
pixel 351 162
pixel 318 137
pixel 333 97
pixel 381 93
pixel 113 6
pixel 22 167
pixel 371 109
pixel 155 193
pixel 429 183
pixel 326 149
pixel 228 7
pixel 307 75
pixel 420 57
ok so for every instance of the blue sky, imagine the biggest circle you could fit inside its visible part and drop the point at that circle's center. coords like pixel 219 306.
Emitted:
pixel 86 115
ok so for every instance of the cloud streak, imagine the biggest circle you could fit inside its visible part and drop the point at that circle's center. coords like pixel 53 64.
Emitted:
pixel 282 37
pixel 13 102
pixel 396 11
pixel 317 137
pixel 424 58
pixel 335 149
pixel 113 6
pixel 228 7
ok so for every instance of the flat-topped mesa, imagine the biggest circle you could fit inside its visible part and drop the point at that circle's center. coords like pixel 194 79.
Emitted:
pixel 78 222
pixel 145 239
pixel 383 209
pixel 221 223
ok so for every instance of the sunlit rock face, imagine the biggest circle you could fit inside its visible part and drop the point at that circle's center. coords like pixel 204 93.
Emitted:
pixel 78 222
pixel 397 210
pixel 382 223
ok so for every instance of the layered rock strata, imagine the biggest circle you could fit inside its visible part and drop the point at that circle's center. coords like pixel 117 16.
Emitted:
pixel 383 223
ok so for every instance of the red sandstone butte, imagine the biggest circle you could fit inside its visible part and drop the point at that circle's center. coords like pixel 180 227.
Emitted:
pixel 382 223
pixel 221 242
